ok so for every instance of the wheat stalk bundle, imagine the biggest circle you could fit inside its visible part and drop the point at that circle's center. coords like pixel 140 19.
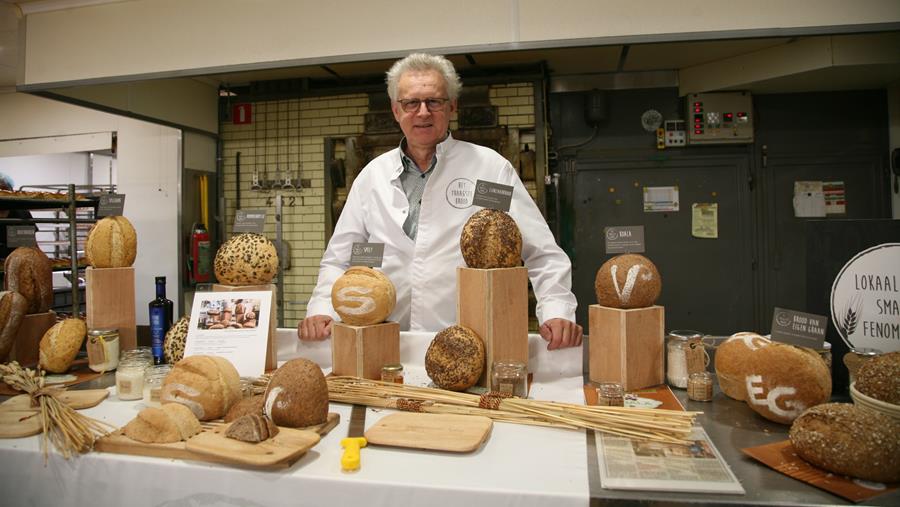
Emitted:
pixel 69 431
pixel 646 424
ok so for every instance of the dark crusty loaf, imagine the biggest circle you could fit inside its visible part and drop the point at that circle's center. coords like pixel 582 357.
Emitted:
pixel 842 438
pixel 111 243
pixel 252 428
pixel 12 309
pixel 28 271
pixel 491 239
pixel 167 424
pixel 363 296
pixel 246 259
pixel 879 378
pixel 455 358
pixel 627 281
pixel 247 406
pixel 60 345
pixel 783 380
pixel 297 395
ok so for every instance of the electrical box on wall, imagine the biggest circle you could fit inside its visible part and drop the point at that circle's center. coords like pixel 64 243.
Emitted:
pixel 720 118
pixel 675 134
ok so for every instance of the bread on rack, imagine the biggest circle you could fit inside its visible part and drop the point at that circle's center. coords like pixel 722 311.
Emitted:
pixel 167 424
pixel 252 428
pixel 627 281
pixel 28 272
pixel 60 345
pixel 297 395
pixel 363 296
pixel 12 309
pixel 246 259
pixel 491 239
pixel 455 358
pixel 208 385
pixel 111 243
pixel 733 362
pixel 879 378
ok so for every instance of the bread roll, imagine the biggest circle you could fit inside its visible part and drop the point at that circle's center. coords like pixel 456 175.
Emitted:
pixel 297 395
pixel 879 378
pixel 111 243
pixel 252 428
pixel 733 362
pixel 208 385
pixel 782 381
pixel 12 309
pixel 455 358
pixel 844 439
pixel 491 239
pixel 173 345
pixel 60 345
pixel 167 424
pixel 28 272
pixel 627 281
pixel 250 405
pixel 246 259
pixel 363 296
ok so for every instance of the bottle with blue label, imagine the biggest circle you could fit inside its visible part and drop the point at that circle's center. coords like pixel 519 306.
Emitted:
pixel 161 310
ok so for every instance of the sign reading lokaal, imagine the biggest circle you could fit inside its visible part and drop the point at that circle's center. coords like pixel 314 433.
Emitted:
pixel 865 299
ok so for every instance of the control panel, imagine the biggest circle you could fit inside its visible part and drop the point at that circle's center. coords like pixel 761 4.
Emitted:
pixel 675 134
pixel 720 118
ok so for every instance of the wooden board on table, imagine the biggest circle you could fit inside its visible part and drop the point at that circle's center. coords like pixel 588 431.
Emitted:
pixel 78 400
pixel 435 432
pixel 19 423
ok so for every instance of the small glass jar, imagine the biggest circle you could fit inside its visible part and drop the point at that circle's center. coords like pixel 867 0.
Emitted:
pixel 130 379
pixel 855 358
pixel 103 349
pixel 392 373
pixel 153 380
pixel 700 386
pixel 825 353
pixel 676 356
pixel 144 354
pixel 509 378
pixel 611 394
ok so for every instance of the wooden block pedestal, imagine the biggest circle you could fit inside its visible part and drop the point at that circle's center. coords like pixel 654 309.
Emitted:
pixel 109 300
pixel 271 350
pixel 626 346
pixel 361 351
pixel 494 304
pixel 26 348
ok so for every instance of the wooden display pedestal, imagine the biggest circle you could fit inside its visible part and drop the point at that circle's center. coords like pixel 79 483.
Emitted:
pixel 26 348
pixel 109 299
pixel 271 350
pixel 494 304
pixel 626 346
pixel 361 351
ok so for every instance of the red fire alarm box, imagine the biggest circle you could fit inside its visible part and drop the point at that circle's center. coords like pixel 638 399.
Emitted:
pixel 241 114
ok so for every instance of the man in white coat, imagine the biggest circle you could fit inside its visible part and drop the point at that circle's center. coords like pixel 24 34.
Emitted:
pixel 416 198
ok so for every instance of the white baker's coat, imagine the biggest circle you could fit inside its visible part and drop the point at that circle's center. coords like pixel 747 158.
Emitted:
pixel 424 271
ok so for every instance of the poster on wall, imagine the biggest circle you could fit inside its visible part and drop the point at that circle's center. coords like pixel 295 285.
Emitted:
pixel 865 299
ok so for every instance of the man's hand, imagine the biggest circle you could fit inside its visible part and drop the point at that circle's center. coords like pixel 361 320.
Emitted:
pixel 561 333
pixel 315 328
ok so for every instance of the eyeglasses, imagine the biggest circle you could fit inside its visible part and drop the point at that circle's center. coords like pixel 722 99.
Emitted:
pixel 413 105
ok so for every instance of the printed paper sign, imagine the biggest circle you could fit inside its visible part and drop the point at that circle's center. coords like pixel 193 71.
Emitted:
pixel 798 328
pixel 809 199
pixel 705 220
pixel 111 205
pixel 660 199
pixel 625 239
pixel 247 220
pixel 20 235
pixel 835 197
pixel 865 299
pixel 367 254
pixel 492 195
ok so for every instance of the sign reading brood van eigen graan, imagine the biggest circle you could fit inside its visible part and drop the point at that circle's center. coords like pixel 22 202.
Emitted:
pixel 865 299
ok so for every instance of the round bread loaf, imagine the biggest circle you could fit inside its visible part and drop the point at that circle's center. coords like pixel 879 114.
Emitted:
pixel 28 271
pixel 455 358
pixel 733 362
pixel 173 345
pixel 297 395
pixel 879 378
pixel 246 259
pixel 170 423
pixel 111 243
pixel 782 381
pixel 60 345
pixel 363 296
pixel 208 385
pixel 627 281
pixel 12 309
pixel 247 406
pixel 844 439
pixel 491 239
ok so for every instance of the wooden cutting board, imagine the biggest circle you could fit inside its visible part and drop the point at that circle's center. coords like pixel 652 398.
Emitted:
pixel 213 446
pixel 79 399
pixel 436 432
pixel 19 423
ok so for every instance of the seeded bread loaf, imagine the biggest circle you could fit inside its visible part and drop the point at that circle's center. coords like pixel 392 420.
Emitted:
pixel 783 380
pixel 297 395
pixel 111 243
pixel 246 259
pixel 627 281
pixel 12 309
pixel 167 424
pixel 252 428
pixel 844 439
pixel 363 296
pixel 491 239
pixel 455 358
pixel 60 345
pixel 28 271
pixel 879 378
pixel 733 362
pixel 208 385
pixel 173 345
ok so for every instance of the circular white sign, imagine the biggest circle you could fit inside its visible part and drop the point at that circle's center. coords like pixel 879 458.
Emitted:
pixel 865 299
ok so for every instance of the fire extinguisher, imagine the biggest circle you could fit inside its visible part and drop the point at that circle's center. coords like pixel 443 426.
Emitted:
pixel 200 262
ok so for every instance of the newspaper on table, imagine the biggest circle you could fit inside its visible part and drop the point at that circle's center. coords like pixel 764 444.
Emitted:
pixel 626 463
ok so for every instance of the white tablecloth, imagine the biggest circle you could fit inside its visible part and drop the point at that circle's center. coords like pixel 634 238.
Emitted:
pixel 518 465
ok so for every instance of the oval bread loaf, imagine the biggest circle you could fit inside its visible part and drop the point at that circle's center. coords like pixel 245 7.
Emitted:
pixel 783 380
pixel 627 281
pixel 246 259
pixel 845 439
pixel 455 358
pixel 208 385
pixel 363 296
pixel 29 272
pixel 733 362
pixel 173 345
pixel 491 239
pixel 111 243
pixel 167 424
pixel 12 309
pixel 60 345
pixel 297 395
pixel 879 378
